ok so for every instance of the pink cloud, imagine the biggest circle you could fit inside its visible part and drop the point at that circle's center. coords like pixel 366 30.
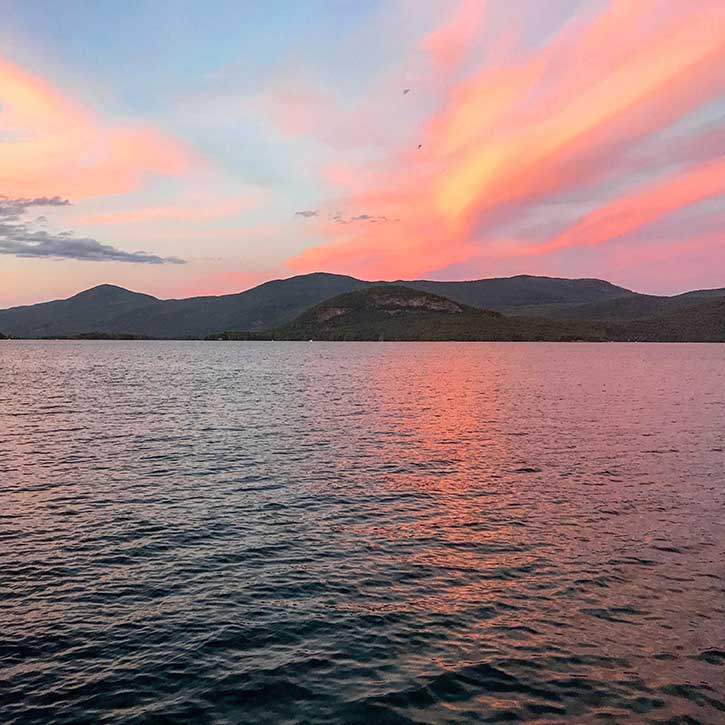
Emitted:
pixel 55 145
pixel 667 266
pixel 642 206
pixel 556 120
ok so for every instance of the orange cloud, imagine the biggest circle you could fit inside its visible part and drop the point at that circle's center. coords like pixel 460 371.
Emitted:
pixel 561 118
pixel 641 207
pixel 403 246
pixel 53 145
pixel 510 154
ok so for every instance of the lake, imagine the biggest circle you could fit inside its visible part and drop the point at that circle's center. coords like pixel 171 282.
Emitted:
pixel 361 532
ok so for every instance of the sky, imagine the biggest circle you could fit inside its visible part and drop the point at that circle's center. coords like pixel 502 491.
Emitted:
pixel 185 148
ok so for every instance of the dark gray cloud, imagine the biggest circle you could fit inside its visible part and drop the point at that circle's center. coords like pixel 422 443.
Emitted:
pixel 13 209
pixel 19 238
pixel 369 218
pixel 338 218
pixel 63 246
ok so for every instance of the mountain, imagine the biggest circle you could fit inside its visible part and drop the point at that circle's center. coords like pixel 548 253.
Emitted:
pixel 111 310
pixel 524 294
pixel 393 312
pixel 114 310
pixel 703 321
pixel 95 309
pixel 632 307
pixel 267 305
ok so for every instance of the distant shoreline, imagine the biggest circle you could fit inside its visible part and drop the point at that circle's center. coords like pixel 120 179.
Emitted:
pixel 369 342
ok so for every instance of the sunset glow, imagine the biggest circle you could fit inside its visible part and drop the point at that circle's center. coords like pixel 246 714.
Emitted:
pixel 445 140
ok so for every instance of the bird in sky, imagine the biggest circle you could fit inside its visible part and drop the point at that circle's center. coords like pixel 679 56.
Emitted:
pixel 406 91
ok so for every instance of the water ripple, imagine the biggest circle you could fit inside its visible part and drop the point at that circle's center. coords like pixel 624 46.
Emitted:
pixel 294 533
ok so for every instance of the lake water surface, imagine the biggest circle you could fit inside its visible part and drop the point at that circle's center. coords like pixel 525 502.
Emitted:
pixel 343 532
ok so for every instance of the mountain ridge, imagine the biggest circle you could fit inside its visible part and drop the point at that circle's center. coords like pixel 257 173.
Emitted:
pixel 395 312
pixel 112 309
pixel 398 313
